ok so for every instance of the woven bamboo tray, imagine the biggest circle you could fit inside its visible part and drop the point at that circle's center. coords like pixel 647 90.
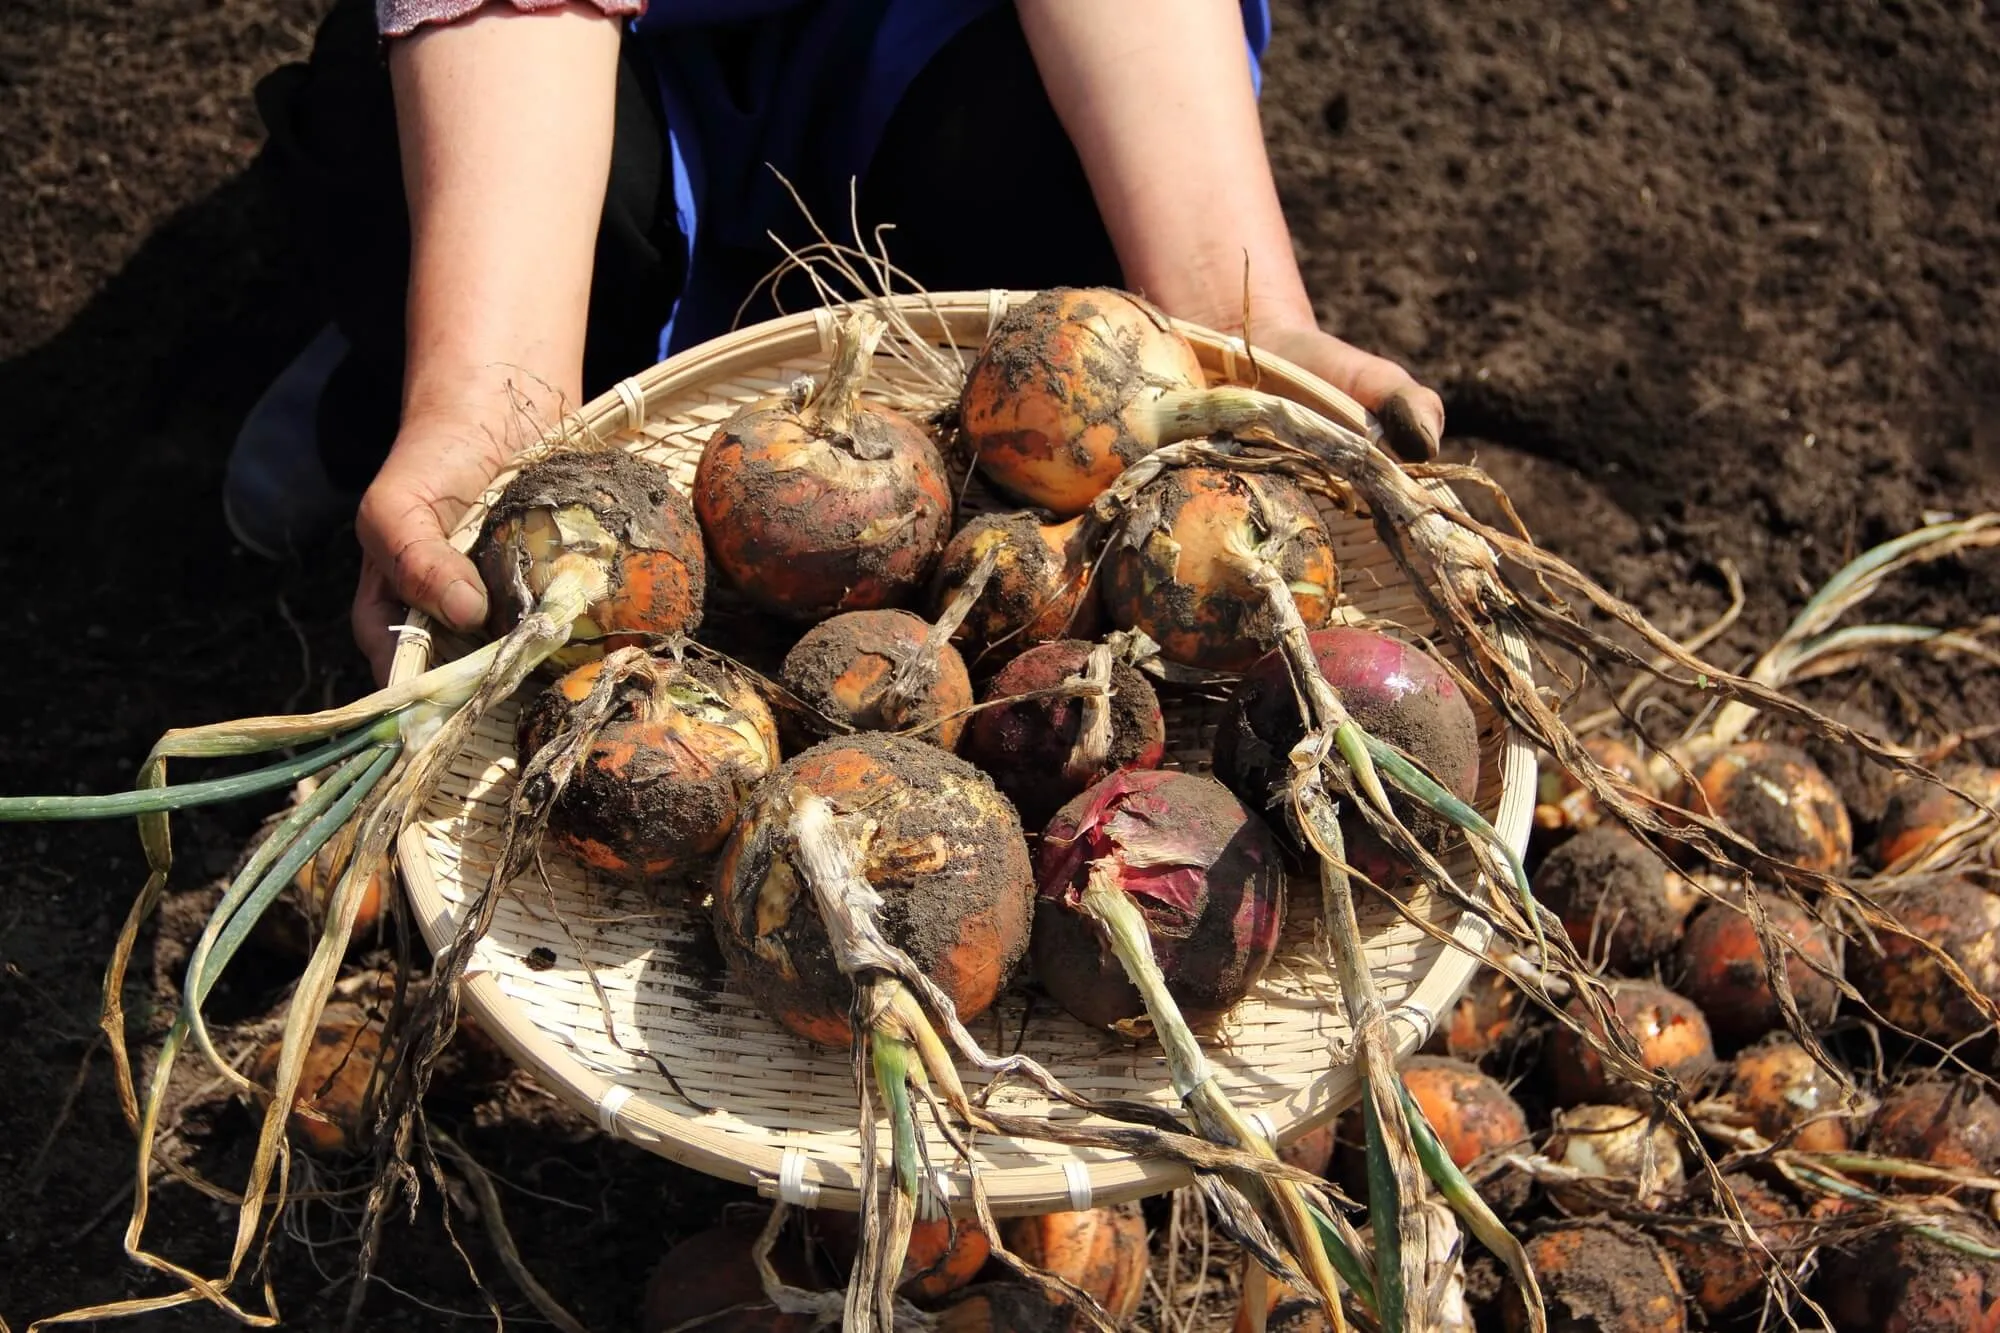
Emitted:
pixel 775 1112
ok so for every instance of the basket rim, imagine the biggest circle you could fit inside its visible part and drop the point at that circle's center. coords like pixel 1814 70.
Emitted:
pixel 956 319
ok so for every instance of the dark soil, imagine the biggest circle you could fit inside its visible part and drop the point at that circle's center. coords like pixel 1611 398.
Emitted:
pixel 1697 281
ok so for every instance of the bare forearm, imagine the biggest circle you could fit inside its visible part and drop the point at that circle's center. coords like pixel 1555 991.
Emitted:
pixel 1156 95
pixel 506 122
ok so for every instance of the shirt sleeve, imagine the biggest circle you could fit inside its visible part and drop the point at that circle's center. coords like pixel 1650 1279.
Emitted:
pixel 399 18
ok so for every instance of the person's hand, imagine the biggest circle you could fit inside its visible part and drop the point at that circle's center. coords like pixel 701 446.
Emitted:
pixel 436 469
pixel 1412 416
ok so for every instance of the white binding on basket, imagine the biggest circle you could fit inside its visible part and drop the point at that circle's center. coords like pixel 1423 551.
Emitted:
pixel 793 1187
pixel 1077 1176
pixel 1264 1126
pixel 634 398
pixel 413 634
pixel 609 1105
pixel 1418 1015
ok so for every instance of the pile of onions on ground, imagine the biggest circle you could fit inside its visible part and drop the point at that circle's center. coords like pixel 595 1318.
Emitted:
pixel 1687 978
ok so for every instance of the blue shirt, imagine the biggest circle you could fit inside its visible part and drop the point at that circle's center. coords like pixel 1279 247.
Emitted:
pixel 807 85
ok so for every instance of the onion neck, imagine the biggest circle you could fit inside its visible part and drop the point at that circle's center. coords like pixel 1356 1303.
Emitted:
pixel 834 408
pixel 1092 751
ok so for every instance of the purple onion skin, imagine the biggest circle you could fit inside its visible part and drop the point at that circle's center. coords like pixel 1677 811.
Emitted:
pixel 1205 873
pixel 1397 692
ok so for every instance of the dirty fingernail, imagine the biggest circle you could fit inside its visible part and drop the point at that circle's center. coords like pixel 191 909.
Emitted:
pixel 464 606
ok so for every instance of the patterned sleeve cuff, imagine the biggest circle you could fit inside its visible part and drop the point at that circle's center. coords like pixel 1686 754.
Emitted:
pixel 399 18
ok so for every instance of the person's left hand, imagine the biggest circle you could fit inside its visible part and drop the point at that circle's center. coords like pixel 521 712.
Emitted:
pixel 1412 416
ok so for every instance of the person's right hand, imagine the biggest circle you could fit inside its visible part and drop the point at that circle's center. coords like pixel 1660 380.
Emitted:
pixel 435 470
pixel 505 121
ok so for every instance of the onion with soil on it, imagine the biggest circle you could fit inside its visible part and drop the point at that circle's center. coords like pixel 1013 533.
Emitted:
pixel 1945 1121
pixel 1670 1031
pixel 1723 969
pixel 943 1255
pixel 603 503
pixel 1617 899
pixel 1778 799
pixel 333 1110
pixel 875 671
pixel 943 851
pixel 1907 984
pixel 1162 899
pixel 825 505
pixel 1923 818
pixel 1486 1023
pixel 1602 1276
pixel 1903 1281
pixel 1724 1274
pixel 1055 401
pixel 1474 1117
pixel 1784 1094
pixel 708 1283
pixel 658 791
pixel 1101 1251
pixel 1619 1155
pixel 1176 570
pixel 581 547
pixel 1040 589
pixel 1564 804
pixel 1395 692
pixel 1078 713
pixel 879 876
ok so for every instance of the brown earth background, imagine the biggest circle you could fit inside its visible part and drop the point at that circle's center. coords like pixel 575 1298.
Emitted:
pixel 1698 281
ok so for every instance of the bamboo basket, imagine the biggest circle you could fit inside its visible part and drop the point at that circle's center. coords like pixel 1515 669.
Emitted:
pixel 777 1113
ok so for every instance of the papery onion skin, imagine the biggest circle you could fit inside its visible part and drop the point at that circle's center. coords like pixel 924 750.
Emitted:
pixel 1204 872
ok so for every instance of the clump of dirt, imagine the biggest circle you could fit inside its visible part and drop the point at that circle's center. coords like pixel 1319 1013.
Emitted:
pixel 933 838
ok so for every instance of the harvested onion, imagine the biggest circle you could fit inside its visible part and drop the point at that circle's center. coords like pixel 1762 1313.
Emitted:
pixel 1177 570
pixel 1054 401
pixel 1045 747
pixel 1040 588
pixel 829 505
pixel 660 787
